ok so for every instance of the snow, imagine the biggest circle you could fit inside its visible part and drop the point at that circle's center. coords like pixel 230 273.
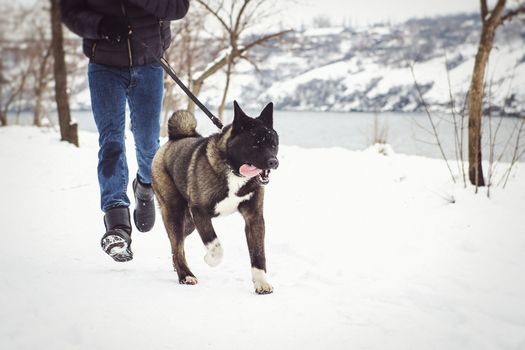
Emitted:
pixel 364 251
pixel 343 68
pixel 363 75
pixel 328 72
pixel 220 56
pixel 323 31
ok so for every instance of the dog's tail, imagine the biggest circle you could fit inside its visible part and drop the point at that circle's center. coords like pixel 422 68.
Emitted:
pixel 182 124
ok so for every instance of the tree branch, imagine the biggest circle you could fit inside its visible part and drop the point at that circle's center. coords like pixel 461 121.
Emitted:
pixel 254 12
pixel 263 39
pixel 512 13
pixel 495 14
pixel 250 61
pixel 484 10
pixel 434 128
pixel 215 14
pixel 236 53
pixel 239 16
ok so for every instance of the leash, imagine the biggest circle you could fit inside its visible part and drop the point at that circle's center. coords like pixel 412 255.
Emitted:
pixel 171 72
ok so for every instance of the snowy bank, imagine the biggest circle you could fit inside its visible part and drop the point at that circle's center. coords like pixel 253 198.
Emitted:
pixel 364 251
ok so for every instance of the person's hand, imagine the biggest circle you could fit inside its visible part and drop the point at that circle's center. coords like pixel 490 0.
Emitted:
pixel 113 29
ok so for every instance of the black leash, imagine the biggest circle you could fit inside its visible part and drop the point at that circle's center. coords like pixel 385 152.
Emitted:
pixel 171 72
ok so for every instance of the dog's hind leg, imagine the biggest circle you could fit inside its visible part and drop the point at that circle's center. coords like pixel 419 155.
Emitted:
pixel 178 223
pixel 202 221
pixel 255 229
pixel 175 214
pixel 189 226
pixel 175 225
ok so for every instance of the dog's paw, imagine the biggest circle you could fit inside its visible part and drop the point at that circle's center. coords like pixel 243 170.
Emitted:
pixel 189 280
pixel 263 287
pixel 215 252
pixel 260 283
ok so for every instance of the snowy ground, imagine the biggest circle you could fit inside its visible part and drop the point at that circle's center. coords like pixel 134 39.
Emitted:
pixel 364 252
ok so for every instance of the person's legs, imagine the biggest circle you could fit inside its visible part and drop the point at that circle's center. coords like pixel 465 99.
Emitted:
pixel 108 86
pixel 145 102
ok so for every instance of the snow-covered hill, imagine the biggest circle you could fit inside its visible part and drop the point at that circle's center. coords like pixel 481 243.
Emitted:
pixel 368 69
pixel 345 69
pixel 365 251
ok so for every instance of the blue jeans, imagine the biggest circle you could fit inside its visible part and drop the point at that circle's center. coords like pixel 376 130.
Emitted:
pixel 110 88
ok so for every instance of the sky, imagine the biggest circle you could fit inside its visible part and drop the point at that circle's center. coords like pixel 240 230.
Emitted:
pixel 362 12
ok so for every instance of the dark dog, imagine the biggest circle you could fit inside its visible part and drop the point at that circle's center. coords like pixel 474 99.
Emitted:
pixel 198 178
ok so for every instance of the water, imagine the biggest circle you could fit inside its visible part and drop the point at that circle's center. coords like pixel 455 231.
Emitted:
pixel 408 133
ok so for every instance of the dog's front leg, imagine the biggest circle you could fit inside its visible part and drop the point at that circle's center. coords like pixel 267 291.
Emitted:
pixel 255 230
pixel 204 226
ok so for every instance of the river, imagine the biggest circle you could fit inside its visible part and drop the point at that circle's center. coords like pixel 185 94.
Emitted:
pixel 408 133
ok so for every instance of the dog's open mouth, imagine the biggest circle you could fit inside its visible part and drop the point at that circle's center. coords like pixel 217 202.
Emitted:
pixel 264 177
pixel 248 170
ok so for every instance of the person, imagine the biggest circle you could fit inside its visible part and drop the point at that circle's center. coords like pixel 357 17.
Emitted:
pixel 121 38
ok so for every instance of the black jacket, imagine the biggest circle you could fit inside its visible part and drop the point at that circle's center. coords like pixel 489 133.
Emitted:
pixel 149 21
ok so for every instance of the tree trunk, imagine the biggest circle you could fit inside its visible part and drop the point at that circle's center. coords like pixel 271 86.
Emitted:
pixel 475 98
pixel 196 89
pixel 37 115
pixel 40 88
pixel 475 113
pixel 225 93
pixel 68 130
pixel 3 116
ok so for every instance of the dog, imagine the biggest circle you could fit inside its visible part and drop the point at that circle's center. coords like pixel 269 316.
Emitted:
pixel 198 178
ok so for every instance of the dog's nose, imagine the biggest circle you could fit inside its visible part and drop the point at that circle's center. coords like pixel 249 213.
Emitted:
pixel 273 163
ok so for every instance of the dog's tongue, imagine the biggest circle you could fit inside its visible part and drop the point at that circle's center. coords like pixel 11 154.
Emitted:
pixel 249 170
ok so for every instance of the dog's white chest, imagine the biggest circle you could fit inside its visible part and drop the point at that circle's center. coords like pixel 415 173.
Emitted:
pixel 230 204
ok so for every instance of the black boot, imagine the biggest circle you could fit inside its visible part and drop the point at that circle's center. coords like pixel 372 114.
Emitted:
pixel 144 214
pixel 117 240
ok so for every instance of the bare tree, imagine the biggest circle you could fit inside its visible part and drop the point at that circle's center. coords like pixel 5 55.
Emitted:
pixel 3 82
pixel 68 129
pixel 27 60
pixel 459 126
pixel 379 131
pixel 12 88
pixel 518 150
pixel 3 116
pixel 234 17
pixel 41 84
pixel 15 65
pixel 188 52
pixel 490 20
pixel 434 131
pixel 40 53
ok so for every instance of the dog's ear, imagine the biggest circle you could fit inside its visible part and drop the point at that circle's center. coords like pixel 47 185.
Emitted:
pixel 239 117
pixel 267 115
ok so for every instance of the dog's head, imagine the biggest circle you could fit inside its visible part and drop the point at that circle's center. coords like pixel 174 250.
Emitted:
pixel 253 144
